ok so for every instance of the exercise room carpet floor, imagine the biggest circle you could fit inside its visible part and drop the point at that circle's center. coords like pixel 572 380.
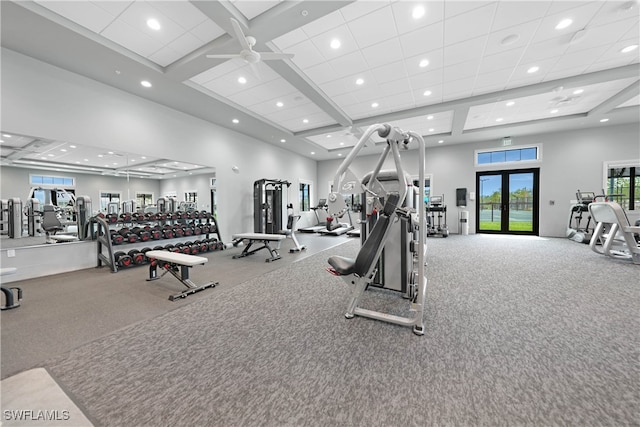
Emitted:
pixel 519 331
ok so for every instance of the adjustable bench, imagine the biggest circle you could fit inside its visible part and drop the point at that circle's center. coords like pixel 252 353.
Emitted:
pixel 258 238
pixel 178 265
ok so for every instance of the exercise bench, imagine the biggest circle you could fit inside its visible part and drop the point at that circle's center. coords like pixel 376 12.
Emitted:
pixel 263 238
pixel 178 265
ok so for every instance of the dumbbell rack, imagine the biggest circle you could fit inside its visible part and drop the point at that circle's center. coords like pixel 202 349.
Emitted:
pixel 102 233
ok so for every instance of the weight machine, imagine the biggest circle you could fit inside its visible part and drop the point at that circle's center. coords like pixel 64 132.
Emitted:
pixel 268 205
pixel 436 209
pixel 362 271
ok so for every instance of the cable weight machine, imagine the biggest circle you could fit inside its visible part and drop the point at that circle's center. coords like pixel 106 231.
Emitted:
pixel 268 205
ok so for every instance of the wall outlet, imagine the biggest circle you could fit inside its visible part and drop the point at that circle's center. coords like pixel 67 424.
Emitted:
pixel 552 202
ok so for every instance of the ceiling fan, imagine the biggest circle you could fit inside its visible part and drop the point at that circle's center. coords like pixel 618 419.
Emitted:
pixel 247 53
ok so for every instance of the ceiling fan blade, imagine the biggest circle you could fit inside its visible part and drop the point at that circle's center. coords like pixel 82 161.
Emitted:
pixel 239 34
pixel 266 56
pixel 226 55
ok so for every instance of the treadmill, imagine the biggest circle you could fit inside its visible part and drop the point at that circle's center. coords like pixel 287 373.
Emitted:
pixel 321 225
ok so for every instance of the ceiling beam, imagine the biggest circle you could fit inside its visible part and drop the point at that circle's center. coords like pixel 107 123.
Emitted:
pixel 620 98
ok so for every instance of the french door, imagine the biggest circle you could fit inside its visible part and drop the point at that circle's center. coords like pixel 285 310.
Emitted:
pixel 507 201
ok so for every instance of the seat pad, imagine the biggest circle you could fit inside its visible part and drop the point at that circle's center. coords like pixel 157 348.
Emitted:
pixel 342 265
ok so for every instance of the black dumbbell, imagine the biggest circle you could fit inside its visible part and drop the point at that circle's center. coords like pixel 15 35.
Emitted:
pixel 116 238
pixel 123 259
pixel 137 257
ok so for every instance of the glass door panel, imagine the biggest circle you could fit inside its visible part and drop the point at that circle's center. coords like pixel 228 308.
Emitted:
pixel 490 203
pixel 521 202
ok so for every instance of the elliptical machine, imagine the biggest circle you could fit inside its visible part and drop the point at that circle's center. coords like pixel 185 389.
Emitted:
pixel 575 229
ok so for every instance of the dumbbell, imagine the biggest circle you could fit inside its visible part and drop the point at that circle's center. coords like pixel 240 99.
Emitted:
pixel 129 237
pixel 143 235
pixel 187 231
pixel 205 228
pixel 213 244
pixel 197 229
pixel 155 233
pixel 202 245
pixel 123 259
pixel 126 217
pixel 150 216
pixel 167 232
pixel 161 216
pixel 178 232
pixel 137 257
pixel 112 218
pixel 116 238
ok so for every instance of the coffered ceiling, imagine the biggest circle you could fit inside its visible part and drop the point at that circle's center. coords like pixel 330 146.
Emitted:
pixel 454 71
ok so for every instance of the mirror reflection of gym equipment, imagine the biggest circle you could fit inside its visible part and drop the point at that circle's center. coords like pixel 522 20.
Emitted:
pixel 579 228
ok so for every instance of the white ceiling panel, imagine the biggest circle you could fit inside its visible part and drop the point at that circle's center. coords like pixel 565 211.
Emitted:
pixel 422 40
pixel 510 14
pixel 88 14
pixel 511 38
pixel 403 15
pixel 474 49
pixel 469 25
pixel 374 27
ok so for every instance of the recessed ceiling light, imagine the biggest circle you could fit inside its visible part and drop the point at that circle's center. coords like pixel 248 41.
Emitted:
pixel 510 39
pixel 553 111
pixel 335 44
pixel 242 80
pixel 629 48
pixel 305 120
pixel 499 119
pixel 72 146
pixel 418 12
pixel 283 140
pixel 604 120
pixel 77 162
pixel 133 160
pixel 279 104
pixel 100 155
pixel 375 105
pixel 339 154
pixel 86 160
pixel 329 136
pixel 153 24
pixel 145 83
pixel 143 157
pixel 578 91
pixel 64 150
pixel 427 93
pixel 342 143
pixel 110 152
pixel 441 141
pixel 359 81
pixel 6 135
pixel 431 129
pixel 313 152
pixel 423 63
pixel 510 103
pixel 43 158
pixel 236 121
pixel 533 69
pixel 564 24
pixel 50 155
pixel 429 117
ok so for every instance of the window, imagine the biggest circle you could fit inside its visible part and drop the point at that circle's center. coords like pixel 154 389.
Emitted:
pixel 305 196
pixel 60 181
pixel 109 202
pixel 623 186
pixel 143 200
pixel 507 155
pixel 191 196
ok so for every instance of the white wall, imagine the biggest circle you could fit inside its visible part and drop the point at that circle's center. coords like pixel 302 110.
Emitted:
pixel 570 161
pixel 45 101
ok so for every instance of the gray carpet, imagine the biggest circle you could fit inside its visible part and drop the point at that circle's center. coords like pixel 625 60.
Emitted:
pixel 518 332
